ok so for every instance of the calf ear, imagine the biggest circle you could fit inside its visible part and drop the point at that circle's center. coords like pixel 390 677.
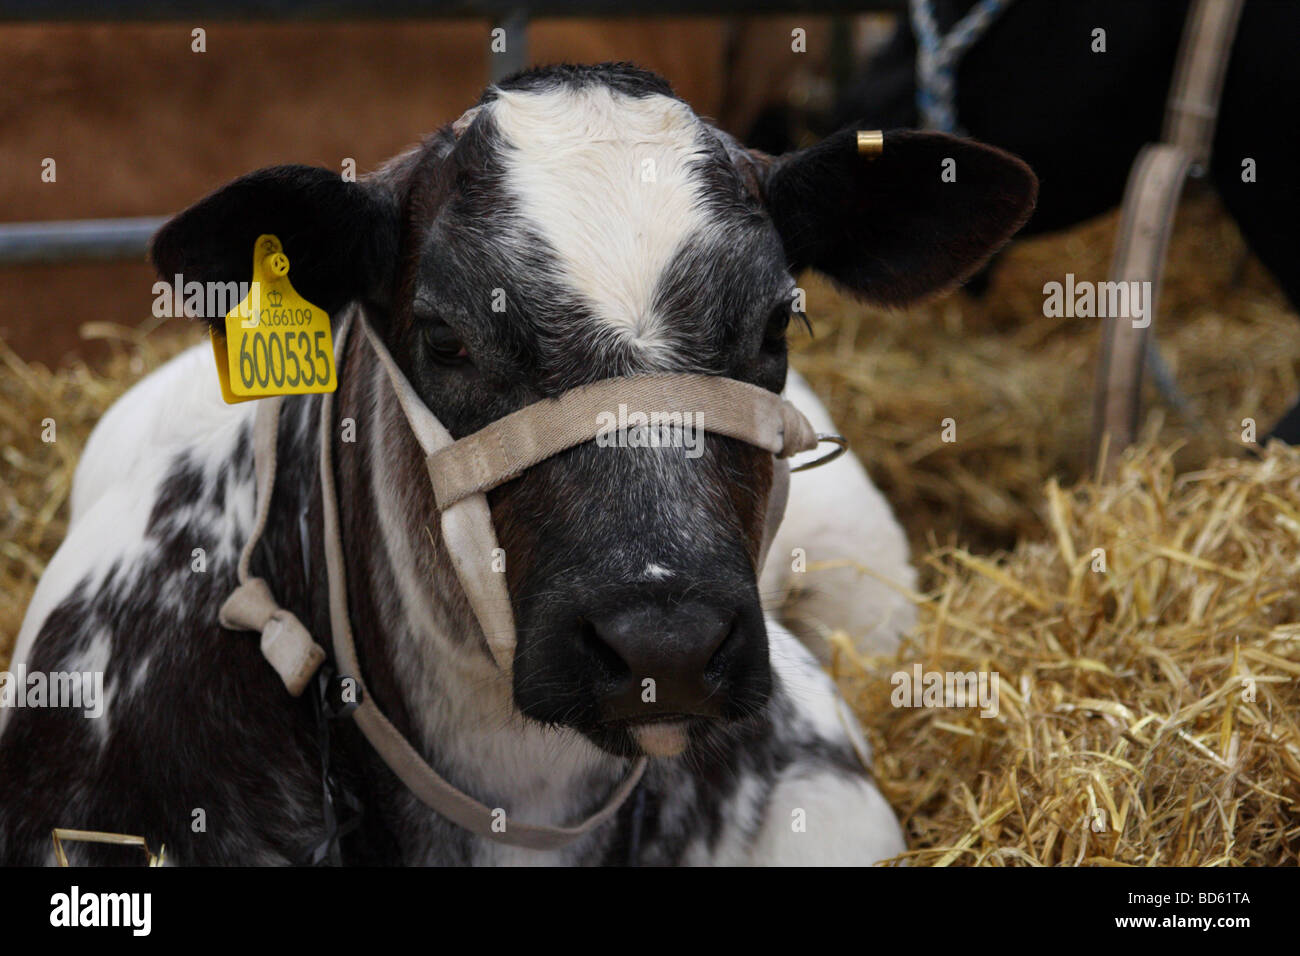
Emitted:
pixel 893 228
pixel 341 237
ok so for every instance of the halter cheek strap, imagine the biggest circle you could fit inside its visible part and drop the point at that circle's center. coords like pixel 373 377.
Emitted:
pixel 467 530
pixel 461 473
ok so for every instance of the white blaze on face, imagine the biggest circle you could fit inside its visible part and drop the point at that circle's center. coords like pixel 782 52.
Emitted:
pixel 607 180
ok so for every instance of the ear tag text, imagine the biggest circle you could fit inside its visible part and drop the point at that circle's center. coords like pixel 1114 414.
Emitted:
pixel 276 342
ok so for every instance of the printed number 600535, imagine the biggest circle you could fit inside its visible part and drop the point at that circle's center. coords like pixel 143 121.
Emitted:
pixel 282 358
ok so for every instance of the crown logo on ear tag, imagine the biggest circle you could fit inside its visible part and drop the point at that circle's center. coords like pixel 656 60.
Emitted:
pixel 276 342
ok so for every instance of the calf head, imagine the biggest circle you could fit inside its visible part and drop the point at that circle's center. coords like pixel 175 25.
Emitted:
pixel 581 223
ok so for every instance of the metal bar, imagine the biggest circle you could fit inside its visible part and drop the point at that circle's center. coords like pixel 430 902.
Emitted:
pixel 107 239
pixel 494 10
pixel 90 239
pixel 1150 204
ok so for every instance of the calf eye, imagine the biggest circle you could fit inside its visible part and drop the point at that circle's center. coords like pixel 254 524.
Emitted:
pixel 443 343
pixel 777 324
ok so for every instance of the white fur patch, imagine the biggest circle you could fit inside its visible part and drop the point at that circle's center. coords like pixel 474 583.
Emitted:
pixel 811 690
pixel 838 520
pixel 607 180
pixel 827 819
pixel 95 660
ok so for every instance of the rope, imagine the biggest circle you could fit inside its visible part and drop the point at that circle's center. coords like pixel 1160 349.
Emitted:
pixel 938 56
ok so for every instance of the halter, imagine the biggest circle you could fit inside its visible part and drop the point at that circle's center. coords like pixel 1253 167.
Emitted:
pixel 461 472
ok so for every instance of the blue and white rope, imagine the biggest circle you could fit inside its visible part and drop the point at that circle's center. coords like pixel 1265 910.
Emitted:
pixel 937 57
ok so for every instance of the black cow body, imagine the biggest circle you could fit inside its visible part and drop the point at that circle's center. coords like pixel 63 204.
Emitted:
pixel 1032 85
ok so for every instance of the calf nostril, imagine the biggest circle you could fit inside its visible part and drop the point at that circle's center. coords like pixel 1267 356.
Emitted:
pixel 691 645
pixel 662 658
pixel 724 650
pixel 603 652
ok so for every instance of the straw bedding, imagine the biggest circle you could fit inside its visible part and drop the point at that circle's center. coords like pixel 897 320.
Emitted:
pixel 1149 713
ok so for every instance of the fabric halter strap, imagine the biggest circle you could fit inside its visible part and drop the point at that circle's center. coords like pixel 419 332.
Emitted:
pixel 511 445
pixel 461 472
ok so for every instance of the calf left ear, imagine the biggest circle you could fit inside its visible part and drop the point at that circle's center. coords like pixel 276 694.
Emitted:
pixel 341 237
pixel 917 219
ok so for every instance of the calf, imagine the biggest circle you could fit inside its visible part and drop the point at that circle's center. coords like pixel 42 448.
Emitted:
pixel 623 235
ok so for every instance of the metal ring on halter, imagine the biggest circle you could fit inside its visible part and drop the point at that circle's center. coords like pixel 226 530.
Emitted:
pixel 841 443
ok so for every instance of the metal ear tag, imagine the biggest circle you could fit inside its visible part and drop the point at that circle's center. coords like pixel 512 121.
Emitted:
pixel 871 142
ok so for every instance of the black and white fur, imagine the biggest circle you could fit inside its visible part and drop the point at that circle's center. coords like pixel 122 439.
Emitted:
pixel 540 193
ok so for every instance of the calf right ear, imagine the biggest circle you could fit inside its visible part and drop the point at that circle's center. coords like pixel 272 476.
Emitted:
pixel 341 237
pixel 913 221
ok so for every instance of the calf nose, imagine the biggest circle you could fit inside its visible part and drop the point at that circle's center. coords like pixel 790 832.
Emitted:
pixel 669 660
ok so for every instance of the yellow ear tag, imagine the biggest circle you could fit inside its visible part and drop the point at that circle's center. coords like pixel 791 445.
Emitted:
pixel 276 342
